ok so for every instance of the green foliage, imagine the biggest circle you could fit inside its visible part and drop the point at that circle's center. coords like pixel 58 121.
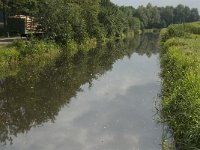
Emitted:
pixel 28 53
pixel 159 17
pixel 141 13
pixel 8 55
pixel 114 21
pixel 72 48
pixel 77 20
pixel 181 85
pixel 36 47
pixel 88 44
pixel 29 7
pixel 167 15
pixel 134 23
pixel 192 27
pixel 172 31
pixel 9 59
pixel 66 21
pixel 180 30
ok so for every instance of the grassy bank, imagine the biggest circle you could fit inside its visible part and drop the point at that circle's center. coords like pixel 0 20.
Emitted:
pixel 26 53
pixel 35 53
pixel 180 64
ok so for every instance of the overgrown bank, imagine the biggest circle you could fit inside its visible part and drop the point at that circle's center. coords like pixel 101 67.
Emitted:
pixel 40 53
pixel 80 25
pixel 180 59
pixel 32 53
pixel 73 25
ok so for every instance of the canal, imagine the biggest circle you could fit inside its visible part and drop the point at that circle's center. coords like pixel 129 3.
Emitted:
pixel 102 100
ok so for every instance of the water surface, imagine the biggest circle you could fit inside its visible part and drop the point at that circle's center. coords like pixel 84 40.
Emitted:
pixel 103 100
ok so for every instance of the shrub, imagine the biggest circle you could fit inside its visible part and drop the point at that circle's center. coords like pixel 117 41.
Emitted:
pixel 9 59
pixel 29 53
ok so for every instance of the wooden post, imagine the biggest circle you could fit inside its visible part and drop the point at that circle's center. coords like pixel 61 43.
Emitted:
pixel 4 17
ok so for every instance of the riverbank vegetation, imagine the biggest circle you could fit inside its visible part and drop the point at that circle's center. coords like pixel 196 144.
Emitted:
pixel 180 59
pixel 78 20
pixel 79 25
pixel 31 53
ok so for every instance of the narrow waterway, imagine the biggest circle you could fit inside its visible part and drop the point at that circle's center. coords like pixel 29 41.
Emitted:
pixel 100 101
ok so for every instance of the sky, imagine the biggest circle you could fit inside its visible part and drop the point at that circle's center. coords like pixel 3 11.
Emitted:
pixel 136 3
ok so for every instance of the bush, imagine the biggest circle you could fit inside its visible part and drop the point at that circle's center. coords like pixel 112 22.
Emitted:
pixel 27 53
pixel 36 47
pixel 8 56
pixel 9 59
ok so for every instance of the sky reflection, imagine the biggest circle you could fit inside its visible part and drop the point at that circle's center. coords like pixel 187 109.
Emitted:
pixel 115 114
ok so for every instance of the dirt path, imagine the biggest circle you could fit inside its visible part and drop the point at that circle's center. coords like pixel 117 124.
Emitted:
pixel 7 41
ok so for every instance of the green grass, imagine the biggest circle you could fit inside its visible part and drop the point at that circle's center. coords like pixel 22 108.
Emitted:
pixel 26 53
pixel 9 59
pixel 180 64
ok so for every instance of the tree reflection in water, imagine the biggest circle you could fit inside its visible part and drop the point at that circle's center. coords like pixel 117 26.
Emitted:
pixel 33 97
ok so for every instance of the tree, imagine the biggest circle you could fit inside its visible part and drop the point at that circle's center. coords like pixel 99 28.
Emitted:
pixel 149 16
pixel 133 23
pixel 167 15
pixel 4 7
pixel 187 13
pixel 67 20
pixel 194 16
pixel 141 13
pixel 179 14
pixel 90 14
pixel 113 20
pixel 105 3
pixel 153 17
pixel 25 7
pixel 63 21
pixel 128 10
pixel 77 20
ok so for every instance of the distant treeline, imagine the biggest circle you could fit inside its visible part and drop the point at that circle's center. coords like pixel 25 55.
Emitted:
pixel 159 17
pixel 78 20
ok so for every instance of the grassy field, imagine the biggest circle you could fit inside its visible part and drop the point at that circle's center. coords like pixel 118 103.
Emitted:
pixel 180 72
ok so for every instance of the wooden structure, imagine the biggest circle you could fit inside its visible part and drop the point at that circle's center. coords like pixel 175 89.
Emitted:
pixel 1 16
pixel 23 25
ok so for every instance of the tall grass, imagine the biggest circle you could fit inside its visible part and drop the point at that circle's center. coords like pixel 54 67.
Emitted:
pixel 9 59
pixel 30 53
pixel 180 63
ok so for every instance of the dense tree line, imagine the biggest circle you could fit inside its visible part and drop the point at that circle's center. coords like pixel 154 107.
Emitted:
pixel 77 20
pixel 159 17
pixel 73 21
